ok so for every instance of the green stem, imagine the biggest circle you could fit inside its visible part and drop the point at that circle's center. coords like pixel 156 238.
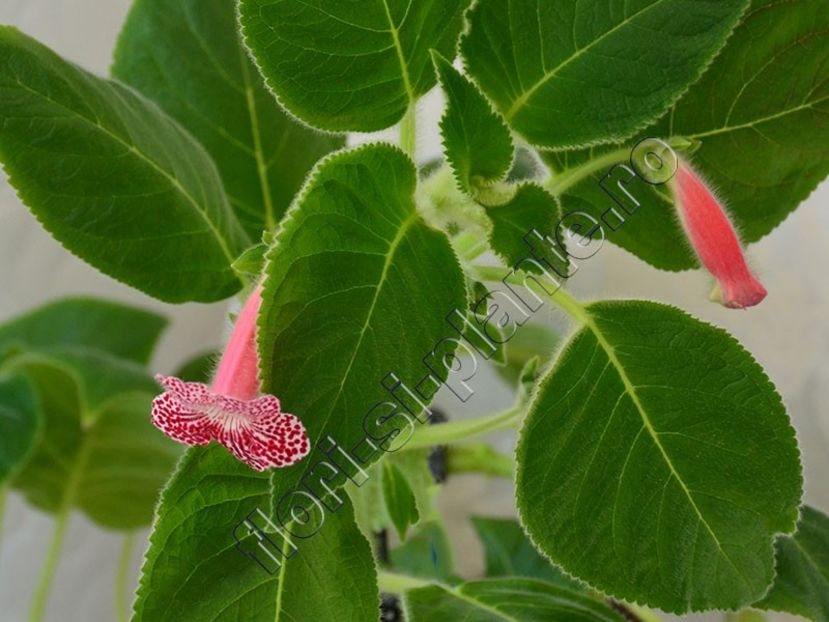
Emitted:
pixel 564 300
pixel 408 132
pixel 469 246
pixel 561 182
pixel 122 578
pixel 478 458
pixel 455 431
pixel 41 595
pixel 393 583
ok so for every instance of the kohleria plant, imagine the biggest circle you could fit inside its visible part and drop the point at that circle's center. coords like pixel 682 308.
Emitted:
pixel 655 467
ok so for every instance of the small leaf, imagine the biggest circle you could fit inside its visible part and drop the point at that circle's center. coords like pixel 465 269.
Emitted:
pixel 801 586
pixel 123 331
pixel 98 450
pixel 504 600
pixel 476 141
pixel 202 510
pixel 426 553
pixel 657 462
pixel 532 208
pixel 509 552
pixel 349 66
pixel 251 262
pixel 570 74
pixel 114 179
pixel 187 56
pixel 19 424
pixel 399 499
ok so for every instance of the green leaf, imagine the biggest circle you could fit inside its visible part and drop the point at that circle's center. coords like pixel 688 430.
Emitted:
pixel 252 261
pixel 504 600
pixel 113 179
pixel 331 576
pixel 350 66
pixel 509 552
pixel 352 259
pixel 657 462
pixel 476 141
pixel 187 56
pixel 19 424
pixel 426 553
pixel 802 582
pixel 532 207
pixel 569 74
pixel 98 451
pixel 759 113
pixel 121 330
pixel 399 499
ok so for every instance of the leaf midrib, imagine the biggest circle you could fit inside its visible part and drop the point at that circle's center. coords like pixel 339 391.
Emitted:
pixel 133 149
pixel 524 97
pixel 630 389
pixel 389 256
pixel 398 48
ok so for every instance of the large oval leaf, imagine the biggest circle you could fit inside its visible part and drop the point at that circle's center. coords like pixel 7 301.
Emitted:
pixel 114 179
pixel 657 461
pixel 330 577
pixel 569 74
pixel 350 66
pixel 504 600
pixel 187 56
pixel 352 266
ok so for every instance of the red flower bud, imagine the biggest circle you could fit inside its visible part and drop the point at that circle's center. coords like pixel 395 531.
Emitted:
pixel 713 238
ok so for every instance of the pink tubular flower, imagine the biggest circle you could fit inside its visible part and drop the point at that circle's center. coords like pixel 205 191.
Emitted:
pixel 252 428
pixel 713 237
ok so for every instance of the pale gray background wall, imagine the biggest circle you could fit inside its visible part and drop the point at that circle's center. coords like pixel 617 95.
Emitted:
pixel 788 334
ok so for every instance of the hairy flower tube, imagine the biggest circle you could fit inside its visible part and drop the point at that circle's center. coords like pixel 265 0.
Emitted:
pixel 714 240
pixel 253 429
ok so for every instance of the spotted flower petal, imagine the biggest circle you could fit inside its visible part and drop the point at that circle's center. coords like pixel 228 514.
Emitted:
pixel 182 412
pixel 254 431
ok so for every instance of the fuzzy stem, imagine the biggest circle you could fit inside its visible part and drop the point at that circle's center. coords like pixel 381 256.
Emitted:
pixel 565 301
pixel 560 183
pixel 122 578
pixel 478 458
pixel 394 583
pixel 455 431
pixel 408 132
pixel 47 574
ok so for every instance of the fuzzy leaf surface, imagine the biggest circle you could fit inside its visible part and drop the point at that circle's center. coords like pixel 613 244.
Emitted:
pixel 187 56
pixel 114 179
pixel 571 74
pixel 354 65
pixel 657 462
